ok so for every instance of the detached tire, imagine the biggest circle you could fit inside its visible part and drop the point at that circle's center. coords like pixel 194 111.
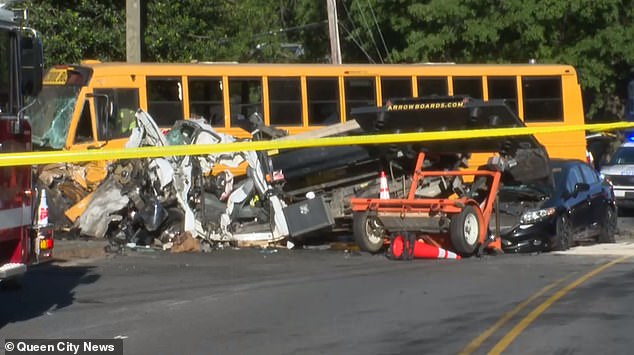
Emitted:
pixel 609 226
pixel 465 229
pixel 368 232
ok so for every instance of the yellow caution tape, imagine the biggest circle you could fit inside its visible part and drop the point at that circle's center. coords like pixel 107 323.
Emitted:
pixel 48 157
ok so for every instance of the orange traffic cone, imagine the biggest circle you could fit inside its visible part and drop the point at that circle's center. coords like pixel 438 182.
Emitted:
pixel 422 250
pixel 384 193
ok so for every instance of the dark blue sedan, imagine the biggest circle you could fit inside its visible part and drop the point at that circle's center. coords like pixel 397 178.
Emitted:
pixel 575 205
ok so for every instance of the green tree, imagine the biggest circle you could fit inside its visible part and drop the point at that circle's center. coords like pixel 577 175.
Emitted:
pixel 593 35
pixel 219 31
pixel 79 29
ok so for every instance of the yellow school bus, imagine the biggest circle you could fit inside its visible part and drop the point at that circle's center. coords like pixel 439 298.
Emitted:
pixel 92 105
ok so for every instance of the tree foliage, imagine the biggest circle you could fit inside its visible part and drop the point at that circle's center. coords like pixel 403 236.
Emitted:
pixel 73 30
pixel 593 35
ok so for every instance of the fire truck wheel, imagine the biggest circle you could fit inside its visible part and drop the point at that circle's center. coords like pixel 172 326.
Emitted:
pixel 465 230
pixel 368 232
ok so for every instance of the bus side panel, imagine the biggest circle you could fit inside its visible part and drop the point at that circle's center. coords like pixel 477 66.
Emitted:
pixel 568 145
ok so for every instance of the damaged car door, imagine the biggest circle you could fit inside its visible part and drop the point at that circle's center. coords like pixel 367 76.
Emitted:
pixel 596 198
pixel 576 199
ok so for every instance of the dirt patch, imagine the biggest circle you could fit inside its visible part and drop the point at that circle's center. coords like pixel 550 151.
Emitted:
pixel 79 249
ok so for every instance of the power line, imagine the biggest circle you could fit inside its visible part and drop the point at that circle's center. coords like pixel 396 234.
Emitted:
pixel 272 32
pixel 365 22
pixel 387 52
pixel 351 34
pixel 358 44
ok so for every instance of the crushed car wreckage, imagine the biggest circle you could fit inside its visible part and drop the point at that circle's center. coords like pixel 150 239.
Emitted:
pixel 147 200
pixel 290 193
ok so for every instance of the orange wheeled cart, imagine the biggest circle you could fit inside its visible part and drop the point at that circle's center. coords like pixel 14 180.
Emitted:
pixel 457 218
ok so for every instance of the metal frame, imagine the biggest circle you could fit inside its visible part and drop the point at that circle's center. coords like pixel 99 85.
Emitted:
pixel 433 211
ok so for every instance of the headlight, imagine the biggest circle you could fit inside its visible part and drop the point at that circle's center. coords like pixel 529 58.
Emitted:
pixel 536 216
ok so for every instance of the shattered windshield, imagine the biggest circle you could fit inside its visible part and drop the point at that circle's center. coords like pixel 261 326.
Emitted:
pixel 51 114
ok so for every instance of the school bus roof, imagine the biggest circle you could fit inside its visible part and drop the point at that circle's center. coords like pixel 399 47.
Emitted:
pixel 258 69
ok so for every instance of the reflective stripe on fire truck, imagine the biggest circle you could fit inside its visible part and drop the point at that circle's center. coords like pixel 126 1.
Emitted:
pixel 15 217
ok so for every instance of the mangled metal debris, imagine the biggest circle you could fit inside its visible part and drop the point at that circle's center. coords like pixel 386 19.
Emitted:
pixel 144 201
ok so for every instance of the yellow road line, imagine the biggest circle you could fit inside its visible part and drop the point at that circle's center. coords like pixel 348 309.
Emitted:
pixel 477 342
pixel 524 323
pixel 48 157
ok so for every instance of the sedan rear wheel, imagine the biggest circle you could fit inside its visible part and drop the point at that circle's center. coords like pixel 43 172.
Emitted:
pixel 609 226
pixel 563 238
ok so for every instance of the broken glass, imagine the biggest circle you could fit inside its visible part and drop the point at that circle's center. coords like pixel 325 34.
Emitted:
pixel 51 115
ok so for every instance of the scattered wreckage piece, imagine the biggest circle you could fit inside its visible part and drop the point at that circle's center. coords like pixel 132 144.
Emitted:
pixel 66 185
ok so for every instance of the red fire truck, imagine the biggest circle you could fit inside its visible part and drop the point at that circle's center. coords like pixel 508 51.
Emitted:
pixel 23 241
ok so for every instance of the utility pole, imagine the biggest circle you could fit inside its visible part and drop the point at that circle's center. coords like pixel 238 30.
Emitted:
pixel 333 29
pixel 133 30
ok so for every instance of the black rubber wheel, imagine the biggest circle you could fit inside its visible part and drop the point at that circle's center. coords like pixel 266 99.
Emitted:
pixel 465 230
pixel 609 226
pixel 368 232
pixel 563 238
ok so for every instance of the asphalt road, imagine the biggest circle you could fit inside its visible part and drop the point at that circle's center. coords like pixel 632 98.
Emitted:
pixel 334 302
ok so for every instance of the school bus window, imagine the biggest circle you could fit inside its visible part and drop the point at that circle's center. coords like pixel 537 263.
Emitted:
pixel 206 100
pixel 83 132
pixel 75 78
pixel 323 101
pixel 392 87
pixel 124 103
pixel 503 87
pixel 542 99
pixel 285 101
pixel 245 97
pixel 428 86
pixel 359 92
pixel 165 100
pixel 470 86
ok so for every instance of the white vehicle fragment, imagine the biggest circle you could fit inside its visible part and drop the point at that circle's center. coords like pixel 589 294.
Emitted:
pixel 99 213
pixel 176 172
